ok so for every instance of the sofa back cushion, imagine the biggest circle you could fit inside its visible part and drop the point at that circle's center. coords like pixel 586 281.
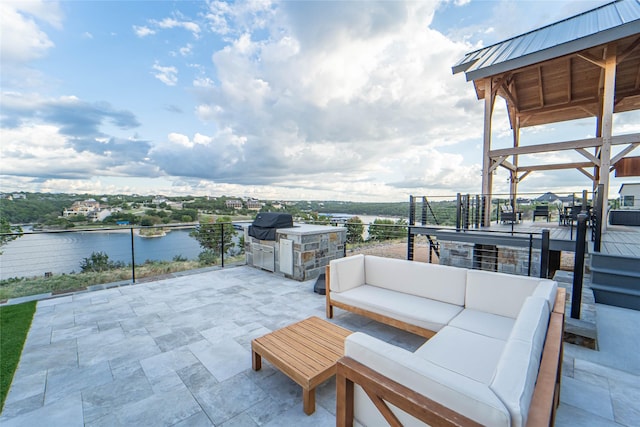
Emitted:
pixel 498 293
pixel 515 377
pixel 346 273
pixel 547 289
pixel 438 282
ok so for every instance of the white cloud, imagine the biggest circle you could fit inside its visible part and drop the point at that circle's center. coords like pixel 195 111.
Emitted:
pixel 169 23
pixel 143 31
pixel 22 38
pixel 167 75
pixel 42 10
pixel 41 150
pixel 186 50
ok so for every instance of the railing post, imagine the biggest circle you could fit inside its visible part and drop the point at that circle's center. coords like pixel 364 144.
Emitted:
pixel 133 258
pixel 578 269
pixel 412 222
pixel 458 211
pixel 544 254
pixel 530 253
pixel 598 206
pixel 222 244
pixel 467 208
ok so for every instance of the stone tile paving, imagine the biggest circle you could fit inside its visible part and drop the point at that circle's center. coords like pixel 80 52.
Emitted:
pixel 176 352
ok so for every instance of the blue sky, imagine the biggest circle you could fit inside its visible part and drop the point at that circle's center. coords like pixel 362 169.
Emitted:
pixel 275 100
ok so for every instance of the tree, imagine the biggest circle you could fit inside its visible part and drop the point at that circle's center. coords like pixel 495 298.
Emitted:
pixel 98 261
pixel 355 228
pixel 213 236
pixel 386 229
pixel 8 233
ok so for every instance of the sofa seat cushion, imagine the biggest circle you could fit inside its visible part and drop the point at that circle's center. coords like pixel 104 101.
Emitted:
pixel 437 282
pixel 462 394
pixel 473 355
pixel 422 312
pixel 483 323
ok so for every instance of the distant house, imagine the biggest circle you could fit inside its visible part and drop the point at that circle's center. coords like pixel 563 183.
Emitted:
pixel 254 205
pixel 549 197
pixel 159 199
pixel 234 203
pixel 629 196
pixel 89 208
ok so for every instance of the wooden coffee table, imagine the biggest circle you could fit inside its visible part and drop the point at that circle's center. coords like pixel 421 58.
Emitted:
pixel 306 351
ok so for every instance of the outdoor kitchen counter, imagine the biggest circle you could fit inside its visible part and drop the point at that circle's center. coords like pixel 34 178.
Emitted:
pixel 302 229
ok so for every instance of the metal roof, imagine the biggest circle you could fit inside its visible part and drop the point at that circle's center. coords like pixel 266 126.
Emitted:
pixel 595 27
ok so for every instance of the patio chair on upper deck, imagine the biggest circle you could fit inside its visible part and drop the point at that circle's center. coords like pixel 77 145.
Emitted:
pixel 562 217
pixel 508 215
pixel 542 211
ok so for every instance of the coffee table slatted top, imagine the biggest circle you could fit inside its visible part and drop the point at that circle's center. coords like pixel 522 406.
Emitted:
pixel 306 351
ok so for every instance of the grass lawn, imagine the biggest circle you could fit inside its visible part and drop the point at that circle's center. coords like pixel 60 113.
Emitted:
pixel 15 321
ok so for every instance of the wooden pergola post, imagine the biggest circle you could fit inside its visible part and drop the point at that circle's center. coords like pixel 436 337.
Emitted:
pixel 607 127
pixel 513 174
pixel 487 171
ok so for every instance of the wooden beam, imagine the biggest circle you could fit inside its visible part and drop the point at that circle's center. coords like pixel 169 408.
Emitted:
pixel 555 166
pixel 592 59
pixel 550 108
pixel 633 138
pixel 487 176
pixel 608 98
pixel 568 71
pixel 546 148
pixel 633 46
pixel 589 156
pixel 615 159
pixel 508 165
pixel 540 93
pixel 587 174
pixel 523 176
pixel 513 174
pixel 496 163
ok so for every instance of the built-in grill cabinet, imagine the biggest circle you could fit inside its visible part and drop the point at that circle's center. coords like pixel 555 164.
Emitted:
pixel 300 251
pixel 264 256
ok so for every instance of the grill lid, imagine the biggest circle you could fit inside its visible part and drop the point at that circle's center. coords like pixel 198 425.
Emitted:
pixel 273 220
pixel 265 224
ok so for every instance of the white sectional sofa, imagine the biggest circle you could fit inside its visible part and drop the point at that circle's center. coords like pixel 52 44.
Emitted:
pixel 482 363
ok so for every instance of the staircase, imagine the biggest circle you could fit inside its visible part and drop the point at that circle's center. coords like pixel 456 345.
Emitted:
pixel 615 280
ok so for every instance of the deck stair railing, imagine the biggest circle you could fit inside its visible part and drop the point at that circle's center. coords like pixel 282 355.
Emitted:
pixel 426 208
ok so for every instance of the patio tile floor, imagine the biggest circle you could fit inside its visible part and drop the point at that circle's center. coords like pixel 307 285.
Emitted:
pixel 177 352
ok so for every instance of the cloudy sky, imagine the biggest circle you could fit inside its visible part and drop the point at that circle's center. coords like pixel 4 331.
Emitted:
pixel 276 100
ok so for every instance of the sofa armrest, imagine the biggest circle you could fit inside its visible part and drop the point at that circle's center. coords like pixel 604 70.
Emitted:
pixel 341 275
pixel 415 388
pixel 380 390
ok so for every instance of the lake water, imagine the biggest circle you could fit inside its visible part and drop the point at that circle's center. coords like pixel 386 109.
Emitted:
pixel 39 253
pixel 36 254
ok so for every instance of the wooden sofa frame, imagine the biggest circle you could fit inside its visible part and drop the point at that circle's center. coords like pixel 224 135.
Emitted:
pixel 545 400
pixel 427 333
